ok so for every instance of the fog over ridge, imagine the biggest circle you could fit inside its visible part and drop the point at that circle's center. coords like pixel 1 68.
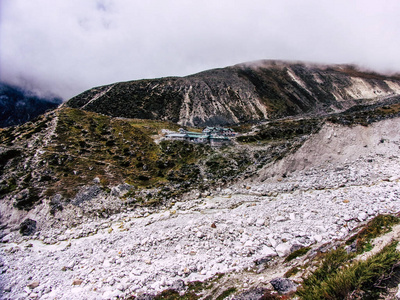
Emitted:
pixel 66 47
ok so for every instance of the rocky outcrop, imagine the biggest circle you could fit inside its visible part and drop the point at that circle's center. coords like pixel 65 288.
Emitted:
pixel 242 93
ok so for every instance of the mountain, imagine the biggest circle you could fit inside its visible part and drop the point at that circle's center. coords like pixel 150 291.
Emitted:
pixel 18 106
pixel 97 206
pixel 249 92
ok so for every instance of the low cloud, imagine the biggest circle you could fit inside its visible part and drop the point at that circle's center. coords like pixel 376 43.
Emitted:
pixel 65 47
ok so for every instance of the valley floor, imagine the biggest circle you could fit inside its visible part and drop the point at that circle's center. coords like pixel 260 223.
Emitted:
pixel 229 232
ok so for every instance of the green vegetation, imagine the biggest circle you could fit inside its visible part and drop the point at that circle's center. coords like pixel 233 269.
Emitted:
pixel 174 295
pixel 376 227
pixel 225 166
pixel 192 290
pixel 282 130
pixel 86 146
pixel 291 272
pixel 297 253
pixel 226 293
pixel 8 186
pixel 9 136
pixel 365 115
pixel 338 277
pixel 89 145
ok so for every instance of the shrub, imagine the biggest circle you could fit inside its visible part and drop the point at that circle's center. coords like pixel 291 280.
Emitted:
pixel 374 228
pixel 337 278
pixel 297 253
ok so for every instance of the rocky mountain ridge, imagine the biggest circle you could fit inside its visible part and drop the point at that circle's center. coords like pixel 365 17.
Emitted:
pixel 242 93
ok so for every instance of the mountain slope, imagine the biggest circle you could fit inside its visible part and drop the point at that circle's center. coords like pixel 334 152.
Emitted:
pixel 232 239
pixel 102 205
pixel 18 106
pixel 239 94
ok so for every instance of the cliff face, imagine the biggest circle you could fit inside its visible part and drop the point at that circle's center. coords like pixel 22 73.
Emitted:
pixel 238 94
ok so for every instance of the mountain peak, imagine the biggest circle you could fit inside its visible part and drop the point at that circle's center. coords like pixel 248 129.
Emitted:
pixel 243 93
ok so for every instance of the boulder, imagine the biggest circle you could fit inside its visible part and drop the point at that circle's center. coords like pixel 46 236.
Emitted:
pixel 33 284
pixel 252 294
pixel 283 285
pixel 268 251
pixel 27 227
pixel 283 249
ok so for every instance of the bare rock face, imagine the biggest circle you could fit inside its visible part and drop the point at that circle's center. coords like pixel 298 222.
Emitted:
pixel 242 93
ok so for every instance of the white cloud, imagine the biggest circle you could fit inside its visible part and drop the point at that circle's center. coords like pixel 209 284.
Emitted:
pixel 67 46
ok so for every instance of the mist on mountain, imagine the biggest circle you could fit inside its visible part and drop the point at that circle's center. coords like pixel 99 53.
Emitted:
pixel 18 106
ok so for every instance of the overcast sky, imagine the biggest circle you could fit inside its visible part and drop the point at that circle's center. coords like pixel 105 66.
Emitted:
pixel 68 46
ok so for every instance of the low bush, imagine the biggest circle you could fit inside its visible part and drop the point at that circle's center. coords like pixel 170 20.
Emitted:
pixel 339 278
pixel 376 227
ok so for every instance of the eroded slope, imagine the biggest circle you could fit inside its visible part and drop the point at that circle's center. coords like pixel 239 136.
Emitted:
pixel 242 93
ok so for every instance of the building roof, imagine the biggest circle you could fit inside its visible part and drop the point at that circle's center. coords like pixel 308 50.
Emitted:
pixel 176 135
pixel 218 137
pixel 194 133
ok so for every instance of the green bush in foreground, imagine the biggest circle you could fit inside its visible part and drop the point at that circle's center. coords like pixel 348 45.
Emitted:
pixel 338 278
pixel 297 253
pixel 376 227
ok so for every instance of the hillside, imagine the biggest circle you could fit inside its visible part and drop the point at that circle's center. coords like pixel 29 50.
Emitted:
pixel 242 93
pixel 18 106
pixel 77 209
pixel 94 206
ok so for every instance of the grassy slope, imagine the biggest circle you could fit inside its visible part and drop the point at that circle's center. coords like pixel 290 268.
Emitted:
pixel 88 145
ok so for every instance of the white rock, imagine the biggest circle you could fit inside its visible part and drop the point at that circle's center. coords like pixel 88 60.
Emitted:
pixel 347 217
pixel 71 265
pixel 260 222
pixel 283 249
pixel 199 234
pixel 111 294
pixel 268 251
pixel 280 219
pixel 106 263
pixel 362 216
pixel 165 215
pixel 398 292
pixel 394 178
pixel 272 241
pixel 318 238
pixel 62 238
pixel 248 244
